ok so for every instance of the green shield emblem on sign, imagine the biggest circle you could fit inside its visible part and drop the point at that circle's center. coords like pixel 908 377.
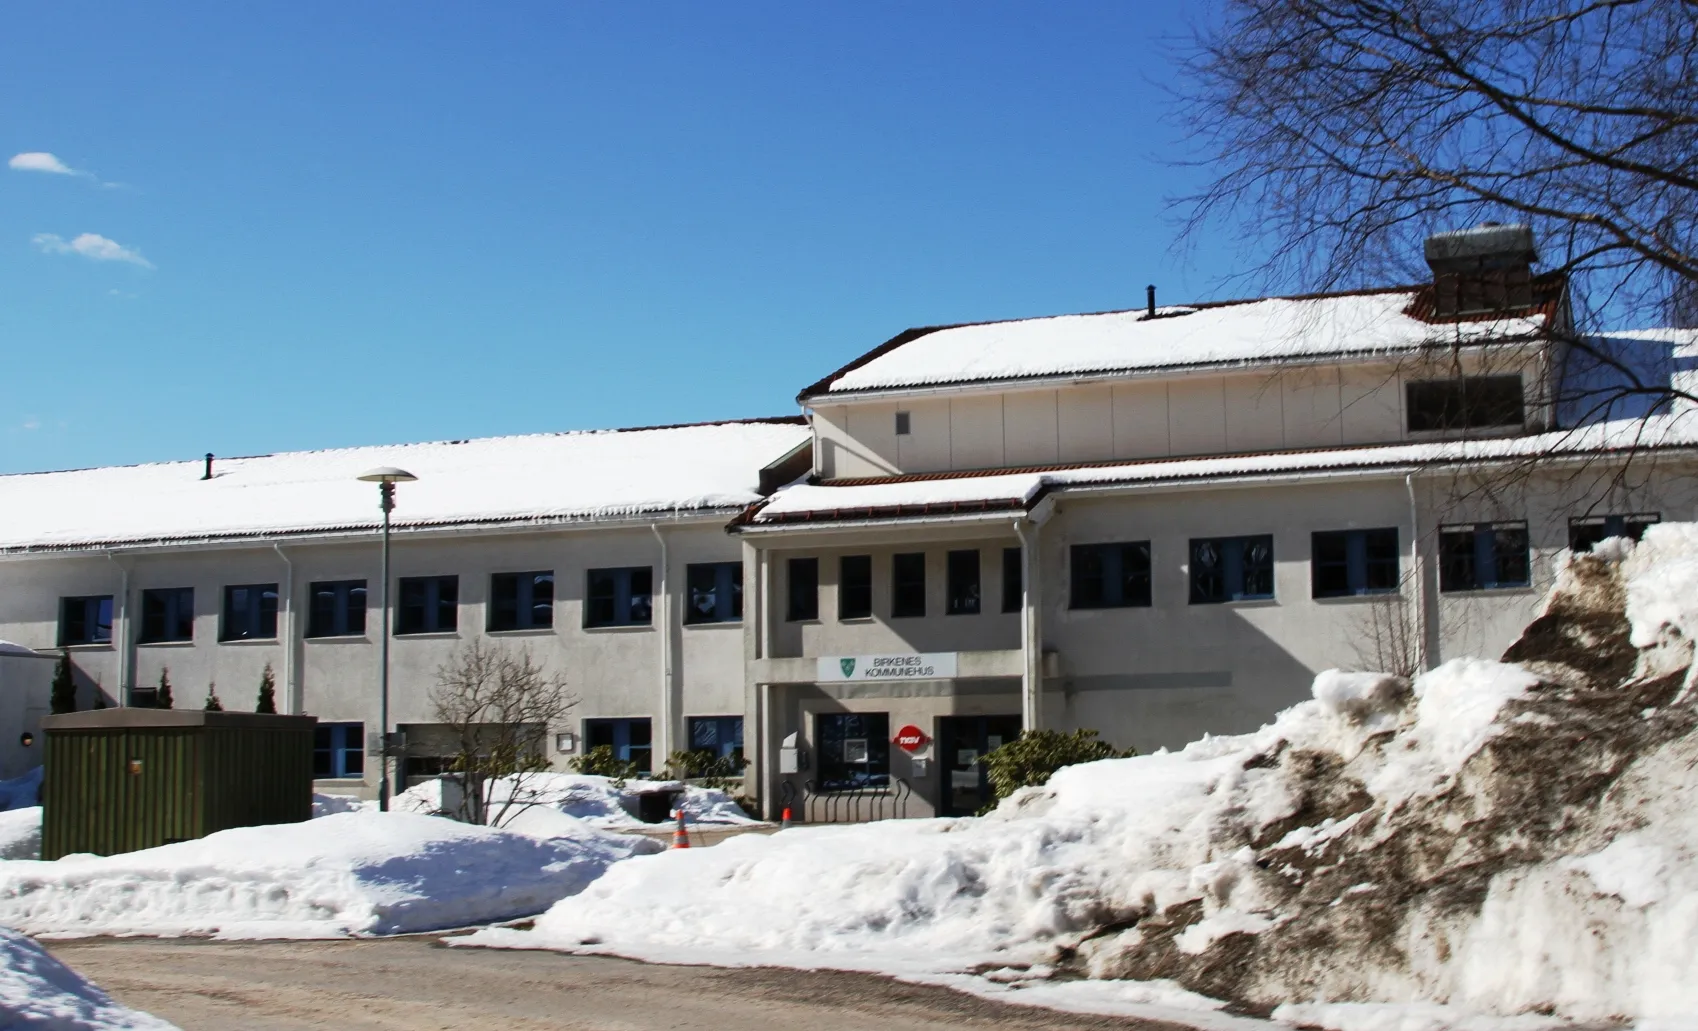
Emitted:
pixel 848 666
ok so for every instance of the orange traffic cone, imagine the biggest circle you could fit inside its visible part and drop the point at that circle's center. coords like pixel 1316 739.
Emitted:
pixel 680 836
pixel 785 822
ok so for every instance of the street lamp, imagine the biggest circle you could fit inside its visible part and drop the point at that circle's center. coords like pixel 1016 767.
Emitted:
pixel 386 477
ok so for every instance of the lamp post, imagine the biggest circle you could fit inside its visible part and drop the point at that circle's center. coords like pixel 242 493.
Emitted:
pixel 386 477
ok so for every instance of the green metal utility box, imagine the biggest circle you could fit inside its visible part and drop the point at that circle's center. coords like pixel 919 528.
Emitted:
pixel 118 780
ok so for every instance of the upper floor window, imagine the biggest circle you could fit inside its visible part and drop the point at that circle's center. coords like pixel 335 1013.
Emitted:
pixel 168 614
pixel 1348 562
pixel 85 620
pixel 620 597
pixel 804 589
pixel 338 609
pixel 429 605
pixel 1483 556
pixel 1013 577
pixel 962 581
pixel 1109 576
pixel 1585 533
pixel 250 613
pixel 521 601
pixel 904 424
pixel 1471 402
pixel 339 750
pixel 855 587
pixel 908 585
pixel 716 592
pixel 1231 569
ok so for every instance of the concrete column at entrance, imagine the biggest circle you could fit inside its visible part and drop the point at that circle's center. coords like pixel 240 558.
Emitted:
pixel 1031 636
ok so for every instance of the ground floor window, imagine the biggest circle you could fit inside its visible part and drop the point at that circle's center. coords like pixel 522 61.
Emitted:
pixel 1231 569
pixel 339 750
pixel 854 750
pixel 630 739
pixel 1349 562
pixel 721 735
pixel 1483 556
pixel 1585 533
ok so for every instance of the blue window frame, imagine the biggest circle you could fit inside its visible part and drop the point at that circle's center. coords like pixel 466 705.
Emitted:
pixel 338 609
pixel 1108 576
pixel 1231 569
pixel 429 605
pixel 250 613
pixel 521 601
pixel 721 735
pixel 338 751
pixel 1343 563
pixel 1483 556
pixel 1584 533
pixel 85 620
pixel 716 592
pixel 619 597
pixel 168 614
pixel 632 740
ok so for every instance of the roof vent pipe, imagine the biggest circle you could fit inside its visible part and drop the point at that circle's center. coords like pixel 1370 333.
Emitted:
pixel 208 474
pixel 1150 299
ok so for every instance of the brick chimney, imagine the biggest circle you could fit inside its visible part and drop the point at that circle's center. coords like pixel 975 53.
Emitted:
pixel 1483 270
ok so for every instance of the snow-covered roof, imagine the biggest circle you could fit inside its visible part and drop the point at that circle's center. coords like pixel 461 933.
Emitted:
pixel 931 495
pixel 542 477
pixel 1240 332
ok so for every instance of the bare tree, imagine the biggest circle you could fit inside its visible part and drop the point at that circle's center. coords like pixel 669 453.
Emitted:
pixel 498 704
pixel 1386 632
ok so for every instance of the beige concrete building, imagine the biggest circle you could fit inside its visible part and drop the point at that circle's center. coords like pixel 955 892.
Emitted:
pixel 1154 523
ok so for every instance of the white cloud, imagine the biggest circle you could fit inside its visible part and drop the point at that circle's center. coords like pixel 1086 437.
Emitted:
pixel 41 161
pixel 90 245
pixel 32 422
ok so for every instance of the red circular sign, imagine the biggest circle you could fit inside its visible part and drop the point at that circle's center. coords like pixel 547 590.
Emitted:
pixel 911 738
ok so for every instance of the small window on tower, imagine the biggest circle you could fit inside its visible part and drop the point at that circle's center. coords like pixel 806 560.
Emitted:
pixel 901 424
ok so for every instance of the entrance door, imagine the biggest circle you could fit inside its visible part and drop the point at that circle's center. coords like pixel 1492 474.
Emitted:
pixel 962 743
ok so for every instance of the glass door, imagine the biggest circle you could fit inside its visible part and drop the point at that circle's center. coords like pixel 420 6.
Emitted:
pixel 962 744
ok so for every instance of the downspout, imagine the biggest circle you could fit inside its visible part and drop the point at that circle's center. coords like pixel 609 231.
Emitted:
pixel 291 694
pixel 663 616
pixel 1031 651
pixel 1418 576
pixel 126 666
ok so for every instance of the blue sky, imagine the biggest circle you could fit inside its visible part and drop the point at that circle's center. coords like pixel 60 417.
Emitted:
pixel 316 225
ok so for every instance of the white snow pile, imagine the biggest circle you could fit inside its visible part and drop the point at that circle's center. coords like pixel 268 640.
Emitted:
pixel 598 801
pixel 1508 844
pixel 20 833
pixel 354 873
pixel 39 993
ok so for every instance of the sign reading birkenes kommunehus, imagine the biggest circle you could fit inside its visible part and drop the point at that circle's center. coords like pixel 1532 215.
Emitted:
pixel 935 666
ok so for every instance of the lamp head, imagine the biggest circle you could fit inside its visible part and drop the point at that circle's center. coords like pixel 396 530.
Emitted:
pixel 387 474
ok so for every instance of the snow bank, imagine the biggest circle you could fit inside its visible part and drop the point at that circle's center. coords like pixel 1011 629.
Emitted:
pixel 352 873
pixel 39 993
pixel 20 833
pixel 598 801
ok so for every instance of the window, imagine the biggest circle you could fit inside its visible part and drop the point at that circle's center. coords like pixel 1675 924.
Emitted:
pixel 855 587
pixel 903 424
pixel 620 597
pixel 429 605
pixel 338 750
pixel 1467 403
pixel 1585 533
pixel 963 583
pixel 716 592
pixel 521 601
pixel 85 620
pixel 631 740
pixel 250 613
pixel 338 609
pixel 908 585
pixel 1231 569
pixel 804 589
pixel 1348 562
pixel 1013 581
pixel 168 614
pixel 721 735
pixel 854 750
pixel 1483 556
pixel 1110 576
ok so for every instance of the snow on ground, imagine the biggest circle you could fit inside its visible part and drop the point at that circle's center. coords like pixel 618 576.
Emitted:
pixel 39 993
pixel 1497 846
pixel 598 801
pixel 352 873
pixel 20 833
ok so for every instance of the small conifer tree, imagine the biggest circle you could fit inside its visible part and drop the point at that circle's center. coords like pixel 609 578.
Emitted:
pixel 267 691
pixel 212 702
pixel 162 699
pixel 99 696
pixel 64 695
